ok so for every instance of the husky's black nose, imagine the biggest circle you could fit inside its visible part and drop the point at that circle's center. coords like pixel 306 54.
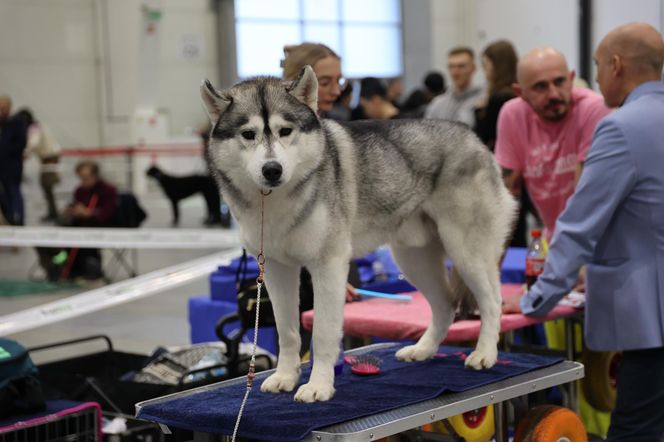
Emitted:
pixel 272 171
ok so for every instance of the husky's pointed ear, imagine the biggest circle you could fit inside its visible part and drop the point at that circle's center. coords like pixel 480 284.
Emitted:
pixel 215 104
pixel 305 88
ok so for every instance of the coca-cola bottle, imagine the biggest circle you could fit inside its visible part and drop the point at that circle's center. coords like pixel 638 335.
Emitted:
pixel 535 257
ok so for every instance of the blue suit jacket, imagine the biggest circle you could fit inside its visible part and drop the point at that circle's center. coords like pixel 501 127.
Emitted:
pixel 614 223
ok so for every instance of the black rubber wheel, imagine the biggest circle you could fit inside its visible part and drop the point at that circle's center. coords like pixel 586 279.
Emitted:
pixel 599 384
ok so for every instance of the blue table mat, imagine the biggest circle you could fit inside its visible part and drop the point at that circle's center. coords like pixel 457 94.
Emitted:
pixel 279 418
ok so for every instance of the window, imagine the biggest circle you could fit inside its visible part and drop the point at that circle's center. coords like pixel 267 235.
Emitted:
pixel 366 34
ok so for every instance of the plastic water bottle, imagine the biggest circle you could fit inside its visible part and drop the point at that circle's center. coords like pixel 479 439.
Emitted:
pixel 535 257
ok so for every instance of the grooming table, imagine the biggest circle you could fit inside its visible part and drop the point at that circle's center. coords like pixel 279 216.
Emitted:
pixel 172 409
pixel 400 320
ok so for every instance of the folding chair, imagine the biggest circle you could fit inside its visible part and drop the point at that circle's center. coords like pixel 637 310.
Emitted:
pixel 128 214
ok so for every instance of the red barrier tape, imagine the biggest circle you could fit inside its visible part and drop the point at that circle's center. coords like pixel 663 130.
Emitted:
pixel 172 149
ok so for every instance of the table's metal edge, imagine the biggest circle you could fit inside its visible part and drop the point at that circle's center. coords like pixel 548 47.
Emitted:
pixel 448 405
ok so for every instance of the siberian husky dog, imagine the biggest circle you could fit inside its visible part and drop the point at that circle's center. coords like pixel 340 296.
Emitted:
pixel 428 188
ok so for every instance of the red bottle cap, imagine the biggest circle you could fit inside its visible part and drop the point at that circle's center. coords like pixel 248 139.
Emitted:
pixel 536 233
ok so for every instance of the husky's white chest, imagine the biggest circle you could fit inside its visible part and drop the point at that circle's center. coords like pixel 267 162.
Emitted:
pixel 283 239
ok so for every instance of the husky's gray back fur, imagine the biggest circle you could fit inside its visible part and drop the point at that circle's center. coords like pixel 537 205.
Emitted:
pixel 401 162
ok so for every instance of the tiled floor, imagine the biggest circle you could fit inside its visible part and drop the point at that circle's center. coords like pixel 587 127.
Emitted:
pixel 137 326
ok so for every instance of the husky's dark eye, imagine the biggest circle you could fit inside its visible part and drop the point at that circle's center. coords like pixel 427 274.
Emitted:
pixel 285 131
pixel 248 134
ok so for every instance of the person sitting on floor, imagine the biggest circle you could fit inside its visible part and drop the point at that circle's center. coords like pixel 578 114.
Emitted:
pixel 94 204
pixel 95 200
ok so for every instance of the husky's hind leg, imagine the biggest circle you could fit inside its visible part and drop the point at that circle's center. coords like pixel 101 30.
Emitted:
pixel 475 259
pixel 424 267
pixel 282 282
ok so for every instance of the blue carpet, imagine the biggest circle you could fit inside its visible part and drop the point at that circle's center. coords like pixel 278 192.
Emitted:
pixel 279 418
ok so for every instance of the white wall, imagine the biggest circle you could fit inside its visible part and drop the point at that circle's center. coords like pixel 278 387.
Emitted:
pixel 417 42
pixel 77 64
pixel 609 14
pixel 180 78
pixel 529 24
pixel 174 78
pixel 48 61
pixel 452 24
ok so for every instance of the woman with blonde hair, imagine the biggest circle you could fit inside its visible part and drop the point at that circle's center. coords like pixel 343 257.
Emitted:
pixel 326 65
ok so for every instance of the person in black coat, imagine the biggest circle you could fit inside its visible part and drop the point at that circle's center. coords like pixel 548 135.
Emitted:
pixel 13 138
pixel 499 61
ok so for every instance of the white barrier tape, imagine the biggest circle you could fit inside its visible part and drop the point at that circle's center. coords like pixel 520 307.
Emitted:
pixel 114 294
pixel 114 238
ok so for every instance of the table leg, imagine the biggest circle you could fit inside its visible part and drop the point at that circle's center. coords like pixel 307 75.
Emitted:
pixel 572 387
pixel 508 340
pixel 500 421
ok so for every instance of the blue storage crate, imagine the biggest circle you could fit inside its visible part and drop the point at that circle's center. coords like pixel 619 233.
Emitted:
pixel 222 287
pixel 222 281
pixel 204 314
pixel 513 270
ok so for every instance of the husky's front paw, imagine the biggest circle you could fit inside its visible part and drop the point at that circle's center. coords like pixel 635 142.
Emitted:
pixel 480 359
pixel 415 353
pixel 313 392
pixel 279 382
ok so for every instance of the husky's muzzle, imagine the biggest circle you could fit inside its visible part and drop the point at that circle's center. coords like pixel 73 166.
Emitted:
pixel 272 171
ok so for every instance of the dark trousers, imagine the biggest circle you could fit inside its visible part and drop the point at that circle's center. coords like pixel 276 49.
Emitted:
pixel 639 412
pixel 86 265
pixel 12 204
pixel 48 180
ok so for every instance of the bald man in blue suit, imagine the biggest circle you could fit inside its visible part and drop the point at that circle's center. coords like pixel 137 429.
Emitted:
pixel 614 224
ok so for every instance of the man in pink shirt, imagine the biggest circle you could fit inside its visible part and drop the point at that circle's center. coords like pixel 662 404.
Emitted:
pixel 544 134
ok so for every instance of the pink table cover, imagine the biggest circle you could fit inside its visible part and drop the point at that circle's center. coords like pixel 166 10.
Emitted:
pixel 399 320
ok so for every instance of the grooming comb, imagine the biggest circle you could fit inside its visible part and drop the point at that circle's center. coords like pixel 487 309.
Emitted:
pixel 364 365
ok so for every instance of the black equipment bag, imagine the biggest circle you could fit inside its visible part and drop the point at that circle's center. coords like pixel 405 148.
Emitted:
pixel 247 291
pixel 20 389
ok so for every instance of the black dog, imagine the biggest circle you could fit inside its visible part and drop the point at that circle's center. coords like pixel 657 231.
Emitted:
pixel 178 188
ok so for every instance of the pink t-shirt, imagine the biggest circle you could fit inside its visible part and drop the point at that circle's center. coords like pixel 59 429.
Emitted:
pixel 548 152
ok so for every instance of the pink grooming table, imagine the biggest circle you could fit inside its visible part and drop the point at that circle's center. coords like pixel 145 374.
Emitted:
pixel 400 320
